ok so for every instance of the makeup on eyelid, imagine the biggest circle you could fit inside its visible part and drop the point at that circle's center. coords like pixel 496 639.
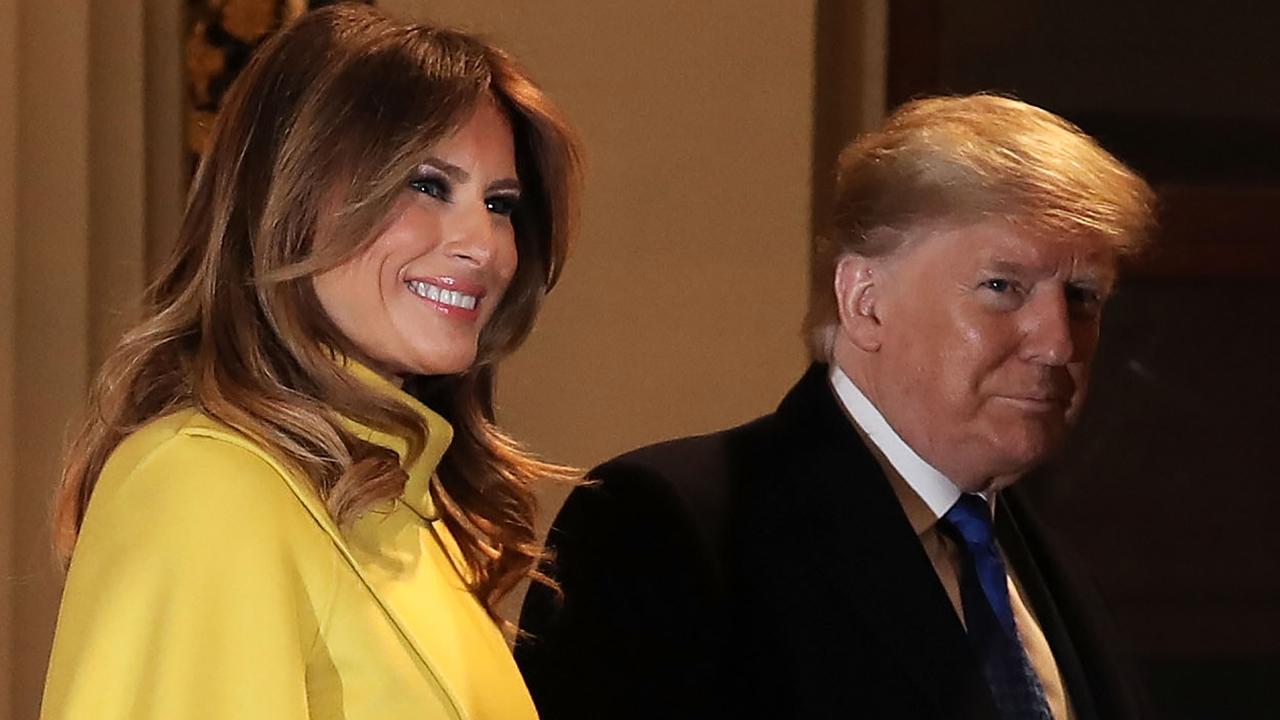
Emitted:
pixel 502 199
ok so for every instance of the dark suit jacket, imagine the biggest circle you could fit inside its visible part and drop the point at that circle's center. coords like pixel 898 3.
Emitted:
pixel 769 571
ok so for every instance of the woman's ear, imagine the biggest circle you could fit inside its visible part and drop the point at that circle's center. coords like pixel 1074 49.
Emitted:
pixel 857 292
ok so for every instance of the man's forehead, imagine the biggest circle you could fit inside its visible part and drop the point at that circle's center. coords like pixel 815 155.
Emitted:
pixel 1001 245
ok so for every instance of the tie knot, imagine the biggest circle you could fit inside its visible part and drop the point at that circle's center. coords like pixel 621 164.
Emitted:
pixel 971 518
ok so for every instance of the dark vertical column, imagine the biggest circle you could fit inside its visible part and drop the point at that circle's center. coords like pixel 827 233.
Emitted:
pixel 849 48
pixel 915 49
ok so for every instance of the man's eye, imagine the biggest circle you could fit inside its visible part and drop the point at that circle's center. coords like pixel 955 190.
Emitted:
pixel 432 186
pixel 1079 295
pixel 502 204
pixel 1084 301
pixel 999 285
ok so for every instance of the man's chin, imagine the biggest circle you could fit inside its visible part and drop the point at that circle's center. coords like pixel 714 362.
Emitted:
pixel 995 484
pixel 994 480
pixel 1032 451
pixel 1011 453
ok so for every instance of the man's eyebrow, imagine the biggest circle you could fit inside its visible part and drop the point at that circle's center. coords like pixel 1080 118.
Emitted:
pixel 1082 277
pixel 1101 284
pixel 1007 267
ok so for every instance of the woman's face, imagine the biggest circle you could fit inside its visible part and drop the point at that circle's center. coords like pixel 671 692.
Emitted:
pixel 414 301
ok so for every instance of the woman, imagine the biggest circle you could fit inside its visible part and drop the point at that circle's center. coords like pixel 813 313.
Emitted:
pixel 290 499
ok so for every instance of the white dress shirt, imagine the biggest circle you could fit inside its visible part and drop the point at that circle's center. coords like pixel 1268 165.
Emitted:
pixel 933 487
pixel 926 495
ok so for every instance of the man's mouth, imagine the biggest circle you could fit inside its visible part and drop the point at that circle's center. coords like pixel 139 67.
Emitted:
pixel 1040 402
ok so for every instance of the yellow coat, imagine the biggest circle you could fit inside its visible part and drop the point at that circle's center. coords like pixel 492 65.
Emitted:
pixel 210 582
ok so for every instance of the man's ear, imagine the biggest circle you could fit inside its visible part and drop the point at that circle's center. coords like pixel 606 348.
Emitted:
pixel 857 286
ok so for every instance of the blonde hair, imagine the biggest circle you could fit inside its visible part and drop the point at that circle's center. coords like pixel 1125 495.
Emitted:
pixel 963 159
pixel 329 120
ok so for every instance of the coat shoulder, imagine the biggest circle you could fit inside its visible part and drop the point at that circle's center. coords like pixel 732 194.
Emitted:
pixel 684 465
pixel 687 481
pixel 197 479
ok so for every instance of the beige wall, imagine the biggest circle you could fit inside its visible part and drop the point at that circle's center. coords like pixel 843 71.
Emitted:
pixel 75 161
pixel 8 273
pixel 117 170
pixel 163 22
pixel 679 312
pixel 52 286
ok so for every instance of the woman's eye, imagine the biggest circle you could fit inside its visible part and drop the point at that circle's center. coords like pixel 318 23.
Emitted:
pixel 432 186
pixel 502 204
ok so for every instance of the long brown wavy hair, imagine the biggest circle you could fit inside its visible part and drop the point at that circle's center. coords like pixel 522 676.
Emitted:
pixel 326 127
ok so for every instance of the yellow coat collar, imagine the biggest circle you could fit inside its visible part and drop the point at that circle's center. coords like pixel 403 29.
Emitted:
pixel 400 562
pixel 417 489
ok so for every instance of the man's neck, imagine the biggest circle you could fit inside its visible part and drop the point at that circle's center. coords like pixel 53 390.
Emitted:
pixel 937 491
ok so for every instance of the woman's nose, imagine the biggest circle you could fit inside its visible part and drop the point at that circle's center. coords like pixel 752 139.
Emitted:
pixel 472 235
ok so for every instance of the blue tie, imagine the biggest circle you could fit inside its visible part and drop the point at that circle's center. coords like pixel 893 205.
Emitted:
pixel 988 616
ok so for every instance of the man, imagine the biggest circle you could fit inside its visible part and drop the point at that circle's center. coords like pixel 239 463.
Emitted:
pixel 836 558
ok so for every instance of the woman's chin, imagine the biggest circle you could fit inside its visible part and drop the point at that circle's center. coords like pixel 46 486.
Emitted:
pixel 442 364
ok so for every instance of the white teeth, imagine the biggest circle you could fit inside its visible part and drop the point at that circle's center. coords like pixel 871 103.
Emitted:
pixel 452 298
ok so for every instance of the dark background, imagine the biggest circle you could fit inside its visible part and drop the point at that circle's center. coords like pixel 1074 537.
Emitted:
pixel 1169 487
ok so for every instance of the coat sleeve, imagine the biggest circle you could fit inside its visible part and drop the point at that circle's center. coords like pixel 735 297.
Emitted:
pixel 196 590
pixel 636 633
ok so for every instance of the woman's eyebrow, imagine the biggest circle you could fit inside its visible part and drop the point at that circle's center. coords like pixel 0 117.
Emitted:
pixel 458 175
pixel 451 171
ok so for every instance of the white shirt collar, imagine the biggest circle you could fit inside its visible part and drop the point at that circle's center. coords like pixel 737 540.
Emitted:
pixel 933 487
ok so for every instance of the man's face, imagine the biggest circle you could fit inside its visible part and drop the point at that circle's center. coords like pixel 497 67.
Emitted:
pixel 985 337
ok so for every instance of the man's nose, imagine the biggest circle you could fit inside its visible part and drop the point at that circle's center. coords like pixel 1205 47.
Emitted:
pixel 1048 332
